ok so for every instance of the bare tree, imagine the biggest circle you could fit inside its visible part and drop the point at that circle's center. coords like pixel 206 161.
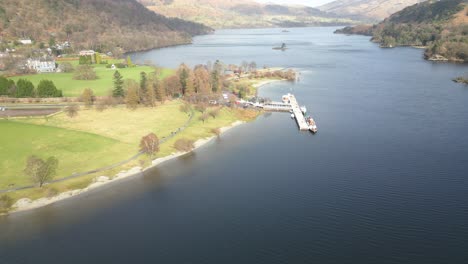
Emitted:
pixel 149 144
pixel 203 117
pixel 41 171
pixel 184 145
pixel 72 110
pixel 214 113
pixel 88 97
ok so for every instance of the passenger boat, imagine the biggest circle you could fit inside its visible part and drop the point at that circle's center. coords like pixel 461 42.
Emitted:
pixel 312 126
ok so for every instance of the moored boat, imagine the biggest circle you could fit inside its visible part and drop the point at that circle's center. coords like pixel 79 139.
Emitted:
pixel 312 125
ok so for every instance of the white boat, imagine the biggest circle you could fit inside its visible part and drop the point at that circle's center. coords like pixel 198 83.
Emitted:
pixel 292 115
pixel 312 124
pixel 304 109
pixel 286 98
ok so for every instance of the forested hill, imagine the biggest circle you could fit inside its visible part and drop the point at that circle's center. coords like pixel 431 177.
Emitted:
pixel 243 13
pixel 93 24
pixel 440 26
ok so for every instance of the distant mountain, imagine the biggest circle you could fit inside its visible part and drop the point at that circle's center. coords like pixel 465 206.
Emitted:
pixel 106 24
pixel 371 9
pixel 439 26
pixel 243 13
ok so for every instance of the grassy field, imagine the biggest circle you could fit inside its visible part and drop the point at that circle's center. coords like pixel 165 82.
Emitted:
pixel 75 150
pixel 94 139
pixel 101 86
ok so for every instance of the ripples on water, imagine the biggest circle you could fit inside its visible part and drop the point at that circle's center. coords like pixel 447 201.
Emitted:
pixel 384 180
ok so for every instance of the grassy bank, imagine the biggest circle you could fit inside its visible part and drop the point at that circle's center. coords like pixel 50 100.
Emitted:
pixel 100 86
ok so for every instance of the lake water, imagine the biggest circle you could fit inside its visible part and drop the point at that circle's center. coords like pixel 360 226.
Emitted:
pixel 384 181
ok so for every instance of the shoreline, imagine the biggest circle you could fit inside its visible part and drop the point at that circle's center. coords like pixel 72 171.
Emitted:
pixel 26 204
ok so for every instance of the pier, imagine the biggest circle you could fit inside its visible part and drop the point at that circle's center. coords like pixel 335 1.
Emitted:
pixel 289 104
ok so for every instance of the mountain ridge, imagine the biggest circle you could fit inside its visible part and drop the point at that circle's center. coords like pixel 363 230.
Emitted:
pixel 94 24
pixel 243 13
pixel 371 9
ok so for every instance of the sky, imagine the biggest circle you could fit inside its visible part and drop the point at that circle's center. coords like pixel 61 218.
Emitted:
pixel 297 2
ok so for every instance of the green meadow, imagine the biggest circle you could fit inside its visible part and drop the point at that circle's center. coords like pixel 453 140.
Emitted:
pixel 101 86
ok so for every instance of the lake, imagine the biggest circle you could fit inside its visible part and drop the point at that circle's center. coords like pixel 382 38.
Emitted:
pixel 385 180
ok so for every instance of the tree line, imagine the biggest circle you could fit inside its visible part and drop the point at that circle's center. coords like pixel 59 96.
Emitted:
pixel 25 89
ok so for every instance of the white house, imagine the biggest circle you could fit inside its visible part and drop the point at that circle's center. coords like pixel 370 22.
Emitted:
pixel 41 66
pixel 25 41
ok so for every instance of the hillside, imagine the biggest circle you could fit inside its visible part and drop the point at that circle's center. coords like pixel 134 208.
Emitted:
pixel 440 26
pixel 243 13
pixel 93 24
pixel 370 9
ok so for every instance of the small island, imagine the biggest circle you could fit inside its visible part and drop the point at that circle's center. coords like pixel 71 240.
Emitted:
pixel 463 80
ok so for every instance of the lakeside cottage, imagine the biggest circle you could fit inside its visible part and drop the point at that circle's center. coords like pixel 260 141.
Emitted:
pixel 41 65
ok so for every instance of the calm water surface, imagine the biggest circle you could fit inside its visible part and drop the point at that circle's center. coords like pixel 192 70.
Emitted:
pixel 384 180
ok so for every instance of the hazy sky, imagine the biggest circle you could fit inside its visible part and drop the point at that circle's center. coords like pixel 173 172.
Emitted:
pixel 300 2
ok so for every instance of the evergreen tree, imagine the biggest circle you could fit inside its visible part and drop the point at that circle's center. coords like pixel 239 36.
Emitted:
pixel 46 88
pixel 24 88
pixel 183 73
pixel 118 85
pixel 4 86
pixel 143 87
pixel 151 94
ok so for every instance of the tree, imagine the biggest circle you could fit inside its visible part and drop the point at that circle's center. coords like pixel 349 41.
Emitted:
pixel 97 58
pixel 131 98
pixel 84 72
pixel 172 86
pixel 185 108
pixel 5 202
pixel 66 67
pixel 214 113
pixel 46 88
pixel 202 80
pixel 160 92
pixel 184 145
pixel 143 87
pixel 149 144
pixel 190 86
pixel 24 88
pixel 203 117
pixel 5 85
pixel 183 73
pixel 41 171
pixel 118 85
pixel 72 110
pixel 129 62
pixel 200 108
pixel 88 97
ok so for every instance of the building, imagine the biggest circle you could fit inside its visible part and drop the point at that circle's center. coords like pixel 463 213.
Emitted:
pixel 87 53
pixel 25 41
pixel 41 65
